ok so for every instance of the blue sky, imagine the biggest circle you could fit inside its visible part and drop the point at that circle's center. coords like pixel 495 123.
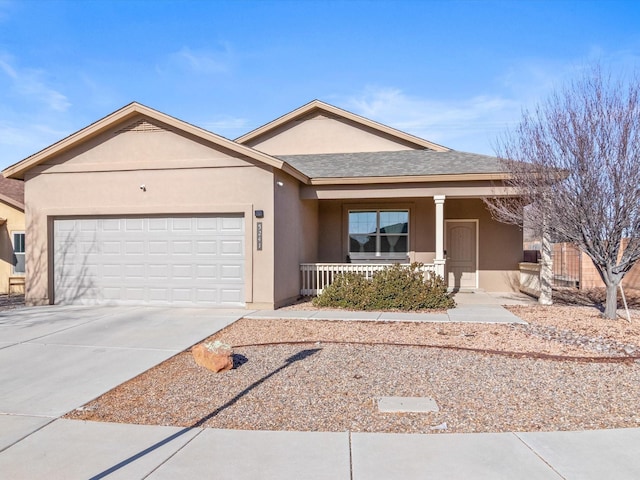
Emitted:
pixel 455 72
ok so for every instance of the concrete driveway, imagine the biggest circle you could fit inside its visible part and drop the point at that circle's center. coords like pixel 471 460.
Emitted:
pixel 54 359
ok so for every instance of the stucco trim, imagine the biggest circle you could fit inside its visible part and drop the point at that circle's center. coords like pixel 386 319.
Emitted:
pixel 134 109
pixel 319 105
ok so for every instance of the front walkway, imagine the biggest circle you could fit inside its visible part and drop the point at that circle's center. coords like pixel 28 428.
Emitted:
pixel 472 307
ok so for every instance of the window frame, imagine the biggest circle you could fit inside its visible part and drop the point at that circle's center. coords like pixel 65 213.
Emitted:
pixel 16 253
pixel 378 255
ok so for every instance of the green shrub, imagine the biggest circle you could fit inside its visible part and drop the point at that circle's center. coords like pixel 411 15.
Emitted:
pixel 348 290
pixel 398 287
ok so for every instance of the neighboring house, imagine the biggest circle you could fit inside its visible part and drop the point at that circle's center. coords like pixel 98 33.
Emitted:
pixel 142 208
pixel 12 236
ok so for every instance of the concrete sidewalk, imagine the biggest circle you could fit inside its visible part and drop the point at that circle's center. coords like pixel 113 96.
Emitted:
pixel 70 449
pixel 55 359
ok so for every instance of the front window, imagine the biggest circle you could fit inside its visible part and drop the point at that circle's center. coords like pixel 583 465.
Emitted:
pixel 18 253
pixel 381 234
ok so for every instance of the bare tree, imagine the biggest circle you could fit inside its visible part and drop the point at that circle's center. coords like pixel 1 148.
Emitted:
pixel 575 163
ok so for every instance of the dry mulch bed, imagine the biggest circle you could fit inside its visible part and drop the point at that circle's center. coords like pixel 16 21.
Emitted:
pixel 326 386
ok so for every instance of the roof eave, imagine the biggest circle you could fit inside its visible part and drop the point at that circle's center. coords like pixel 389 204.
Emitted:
pixel 464 177
pixel 12 202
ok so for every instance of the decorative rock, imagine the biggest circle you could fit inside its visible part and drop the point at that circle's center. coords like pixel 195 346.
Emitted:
pixel 215 356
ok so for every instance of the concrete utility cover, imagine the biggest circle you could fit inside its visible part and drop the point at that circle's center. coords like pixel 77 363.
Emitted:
pixel 407 404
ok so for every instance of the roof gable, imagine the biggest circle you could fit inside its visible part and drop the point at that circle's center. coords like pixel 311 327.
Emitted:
pixel 302 132
pixel 143 120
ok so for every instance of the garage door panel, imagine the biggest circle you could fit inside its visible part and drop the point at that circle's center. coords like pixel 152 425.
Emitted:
pixel 158 272
pixel 207 225
pixel 134 272
pixel 133 248
pixel 182 272
pixel 88 225
pixel 133 225
pixel 231 272
pixel 158 225
pixel 111 248
pixel 232 225
pixel 206 272
pixel 207 295
pixel 206 247
pixel 65 226
pixel 181 224
pixel 181 294
pixel 229 295
pixel 135 293
pixel 111 293
pixel 169 260
pixel 111 225
pixel 181 247
pixel 231 247
pixel 112 271
pixel 159 295
pixel 158 247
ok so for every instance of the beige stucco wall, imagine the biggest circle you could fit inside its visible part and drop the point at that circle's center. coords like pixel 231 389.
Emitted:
pixel 322 133
pixel 181 175
pixel 500 245
pixel 296 240
pixel 15 222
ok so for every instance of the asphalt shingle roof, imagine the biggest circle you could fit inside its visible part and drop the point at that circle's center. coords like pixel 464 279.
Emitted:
pixel 391 164
pixel 12 189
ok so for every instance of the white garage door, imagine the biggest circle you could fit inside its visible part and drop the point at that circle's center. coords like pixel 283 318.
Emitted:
pixel 191 261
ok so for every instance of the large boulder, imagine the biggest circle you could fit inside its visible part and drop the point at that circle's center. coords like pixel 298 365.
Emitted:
pixel 215 356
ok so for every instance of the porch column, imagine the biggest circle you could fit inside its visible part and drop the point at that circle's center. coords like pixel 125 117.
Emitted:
pixel 439 261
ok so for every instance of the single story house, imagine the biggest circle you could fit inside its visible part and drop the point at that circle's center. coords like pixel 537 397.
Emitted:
pixel 12 236
pixel 142 208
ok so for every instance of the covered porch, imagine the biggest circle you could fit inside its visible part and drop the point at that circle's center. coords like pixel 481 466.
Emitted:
pixel 379 234
pixel 453 237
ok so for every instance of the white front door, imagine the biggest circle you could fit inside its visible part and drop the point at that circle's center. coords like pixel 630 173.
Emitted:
pixel 461 246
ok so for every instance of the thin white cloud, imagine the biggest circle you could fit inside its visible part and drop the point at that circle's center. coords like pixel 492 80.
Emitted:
pixel 202 61
pixel 31 84
pixel 21 138
pixel 474 122
pixel 457 124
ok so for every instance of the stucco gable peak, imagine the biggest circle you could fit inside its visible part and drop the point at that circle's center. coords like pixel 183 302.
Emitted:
pixel 319 107
pixel 152 120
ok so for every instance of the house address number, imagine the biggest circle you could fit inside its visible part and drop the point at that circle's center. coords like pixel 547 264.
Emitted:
pixel 259 235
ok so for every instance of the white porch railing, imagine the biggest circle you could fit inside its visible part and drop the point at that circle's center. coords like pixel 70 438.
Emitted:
pixel 317 276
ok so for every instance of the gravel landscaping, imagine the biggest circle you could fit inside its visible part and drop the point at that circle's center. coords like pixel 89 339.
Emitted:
pixel 569 369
